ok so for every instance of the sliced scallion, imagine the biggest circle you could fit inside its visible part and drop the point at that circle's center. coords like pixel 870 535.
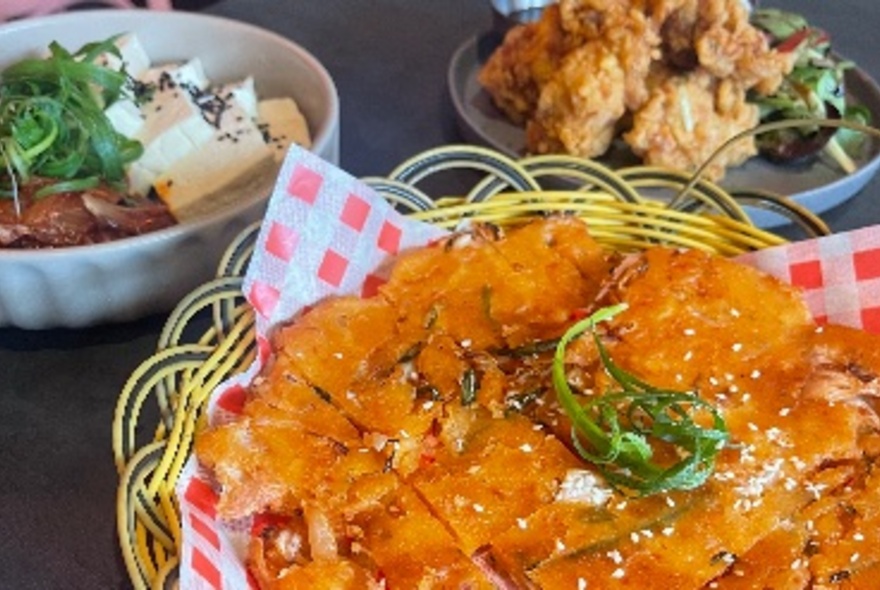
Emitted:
pixel 52 120
pixel 469 385
pixel 615 430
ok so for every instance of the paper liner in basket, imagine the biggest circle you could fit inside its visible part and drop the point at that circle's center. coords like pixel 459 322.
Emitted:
pixel 327 233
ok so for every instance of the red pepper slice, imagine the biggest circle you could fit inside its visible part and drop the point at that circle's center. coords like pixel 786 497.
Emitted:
pixel 795 40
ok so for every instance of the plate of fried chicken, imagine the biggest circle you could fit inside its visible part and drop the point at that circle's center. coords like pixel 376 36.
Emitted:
pixel 668 85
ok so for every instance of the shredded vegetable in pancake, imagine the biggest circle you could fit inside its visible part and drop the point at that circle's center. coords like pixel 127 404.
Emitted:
pixel 415 439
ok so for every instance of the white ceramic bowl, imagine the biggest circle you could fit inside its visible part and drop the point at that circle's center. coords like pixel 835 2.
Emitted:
pixel 134 277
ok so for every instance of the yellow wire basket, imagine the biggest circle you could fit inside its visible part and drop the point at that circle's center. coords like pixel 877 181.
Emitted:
pixel 209 336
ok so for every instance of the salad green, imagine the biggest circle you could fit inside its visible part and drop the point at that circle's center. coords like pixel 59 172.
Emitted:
pixel 813 90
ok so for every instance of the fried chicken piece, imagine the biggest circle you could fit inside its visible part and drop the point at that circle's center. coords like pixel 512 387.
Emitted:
pixel 515 73
pixel 679 68
pixel 625 28
pixel 676 21
pixel 590 19
pixel 687 118
pixel 598 82
pixel 730 48
pixel 636 42
pixel 717 36
pixel 579 108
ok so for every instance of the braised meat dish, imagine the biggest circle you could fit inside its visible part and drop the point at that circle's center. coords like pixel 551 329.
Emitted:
pixel 76 218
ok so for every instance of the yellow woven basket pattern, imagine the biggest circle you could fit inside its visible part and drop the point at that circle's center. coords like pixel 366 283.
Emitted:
pixel 209 336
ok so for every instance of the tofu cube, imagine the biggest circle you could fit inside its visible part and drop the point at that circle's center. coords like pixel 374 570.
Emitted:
pixel 175 122
pixel 244 93
pixel 132 55
pixel 126 117
pixel 233 159
pixel 190 75
pixel 283 123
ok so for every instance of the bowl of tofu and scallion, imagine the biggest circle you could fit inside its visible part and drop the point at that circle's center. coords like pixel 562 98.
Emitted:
pixel 212 105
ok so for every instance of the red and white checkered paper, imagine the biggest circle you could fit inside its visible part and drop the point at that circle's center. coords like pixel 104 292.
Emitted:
pixel 839 275
pixel 327 233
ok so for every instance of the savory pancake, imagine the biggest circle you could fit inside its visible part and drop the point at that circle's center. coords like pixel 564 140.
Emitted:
pixel 418 438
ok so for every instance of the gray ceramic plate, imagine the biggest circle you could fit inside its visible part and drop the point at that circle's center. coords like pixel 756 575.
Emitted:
pixel 818 186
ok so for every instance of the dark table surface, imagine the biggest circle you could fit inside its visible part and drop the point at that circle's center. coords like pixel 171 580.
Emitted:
pixel 58 388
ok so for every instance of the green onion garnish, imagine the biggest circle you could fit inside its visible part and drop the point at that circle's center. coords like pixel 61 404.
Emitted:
pixel 52 121
pixel 615 431
pixel 469 385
